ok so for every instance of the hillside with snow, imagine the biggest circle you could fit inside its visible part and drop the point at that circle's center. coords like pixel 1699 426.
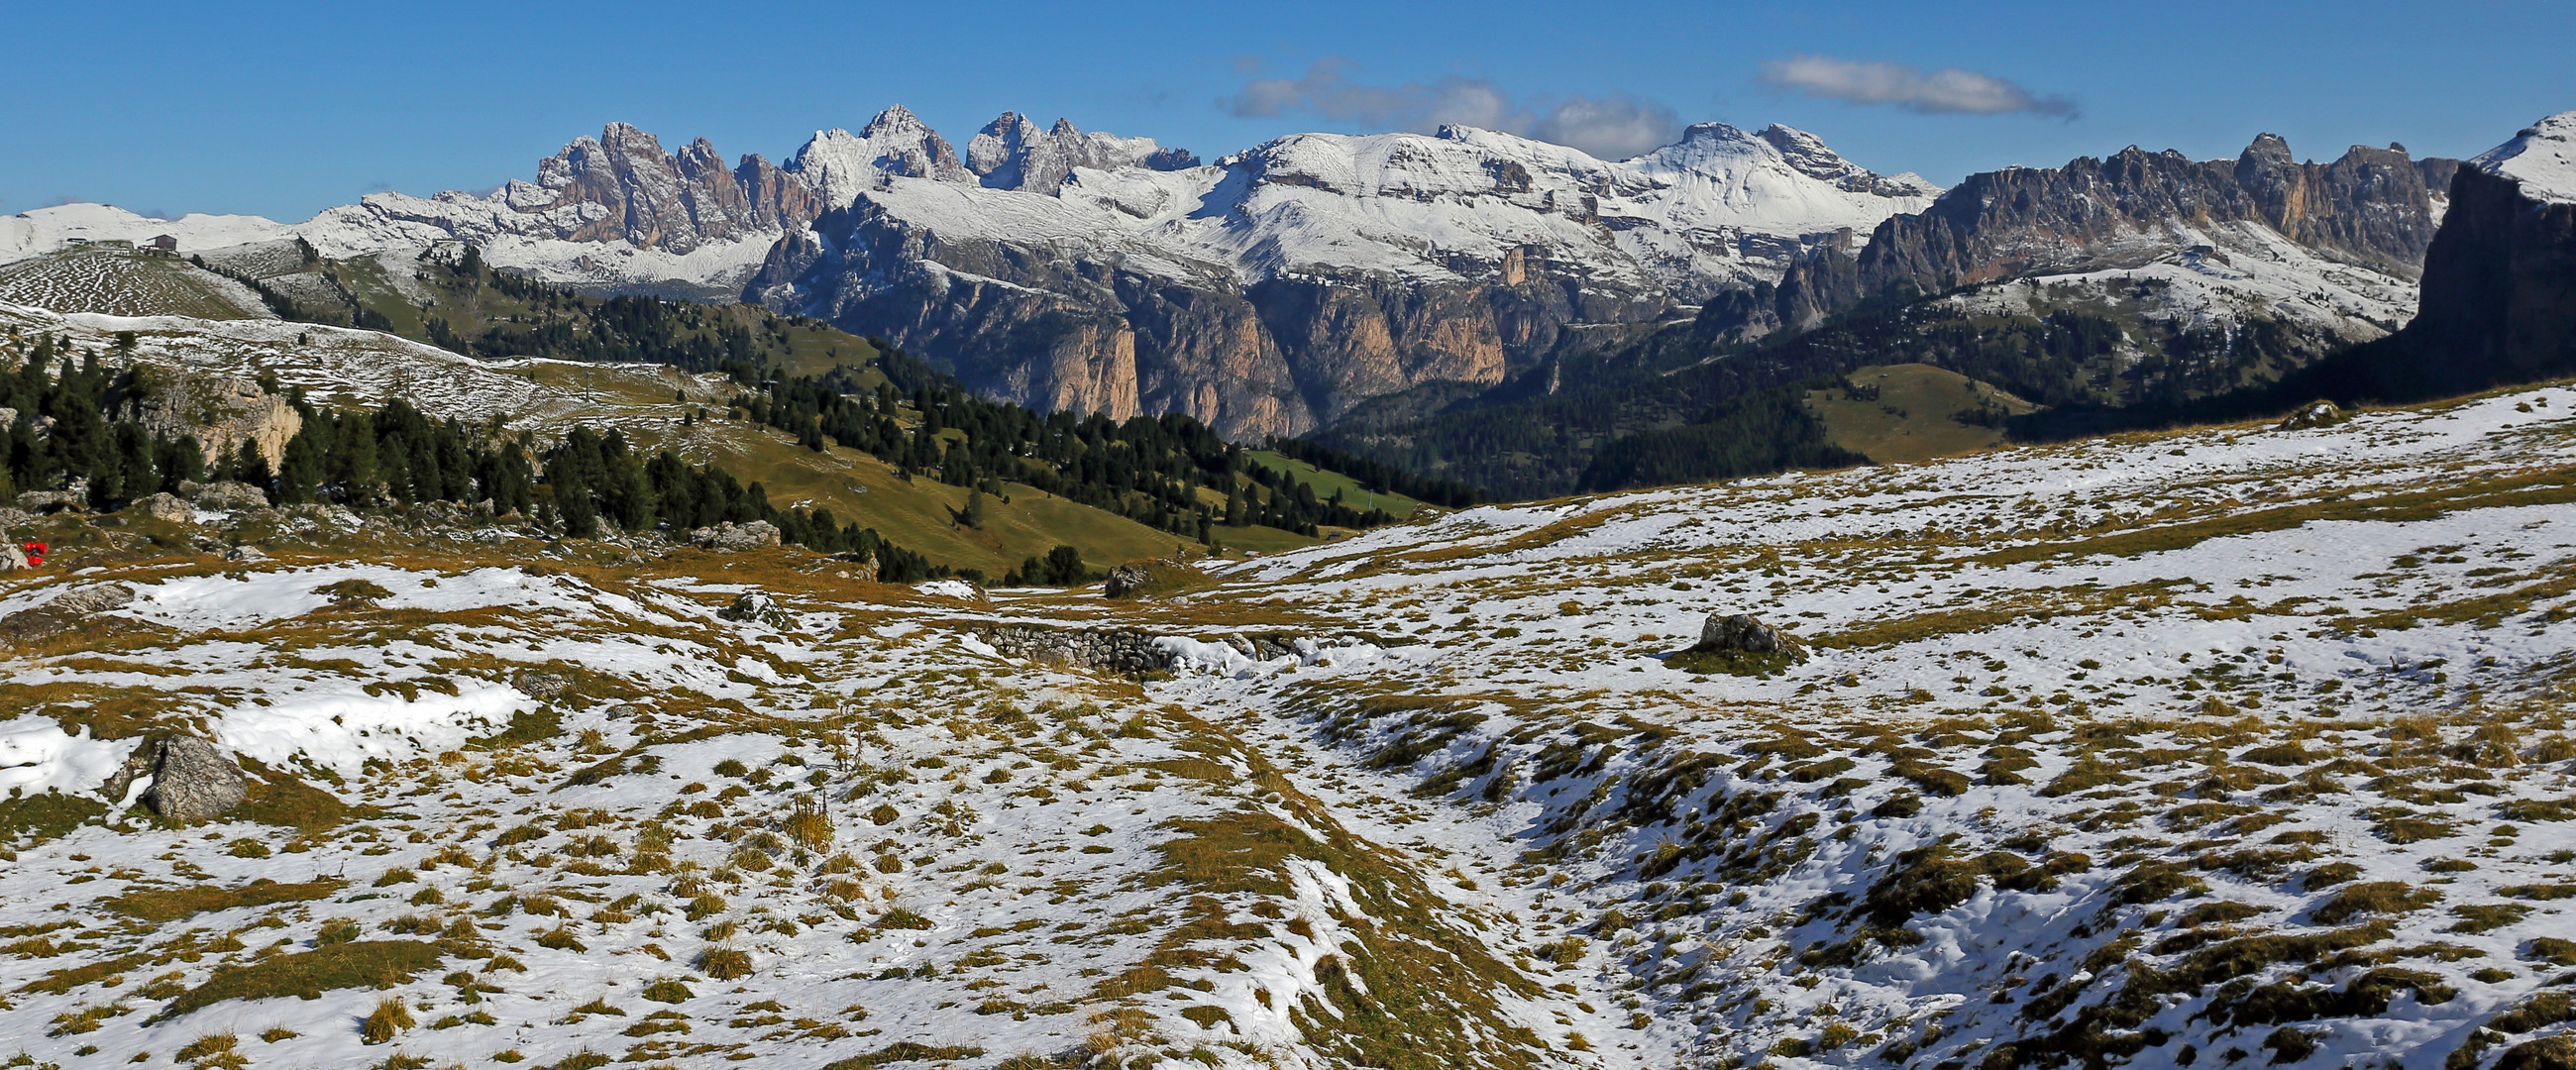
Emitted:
pixel 2241 743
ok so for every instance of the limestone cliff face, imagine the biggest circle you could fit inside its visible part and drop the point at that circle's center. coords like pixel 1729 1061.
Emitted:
pixel 2499 302
pixel 221 411
pixel 2370 207
pixel 1077 328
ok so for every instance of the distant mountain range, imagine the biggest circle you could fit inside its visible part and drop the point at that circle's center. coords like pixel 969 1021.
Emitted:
pixel 1321 278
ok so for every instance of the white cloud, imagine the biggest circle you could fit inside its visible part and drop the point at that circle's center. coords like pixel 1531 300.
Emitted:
pixel 1948 90
pixel 1614 126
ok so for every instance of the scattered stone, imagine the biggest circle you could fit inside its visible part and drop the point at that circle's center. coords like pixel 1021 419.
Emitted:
pixel 1125 579
pixel 754 606
pixel 963 590
pixel 11 557
pixel 230 495
pixel 729 537
pixel 1122 650
pixel 89 600
pixel 166 506
pixel 192 780
pixel 1268 646
pixel 48 502
pixel 544 685
pixel 13 517
pixel 443 514
pixel 2315 414
pixel 1743 633
pixel 245 554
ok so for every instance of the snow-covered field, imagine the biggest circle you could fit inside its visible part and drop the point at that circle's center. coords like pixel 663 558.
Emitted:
pixel 126 283
pixel 2232 746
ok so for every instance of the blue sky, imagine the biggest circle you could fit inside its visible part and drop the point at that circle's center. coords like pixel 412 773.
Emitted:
pixel 284 109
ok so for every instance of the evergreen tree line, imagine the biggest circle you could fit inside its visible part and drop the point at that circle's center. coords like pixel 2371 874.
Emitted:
pixel 1751 435
pixel 1378 476
pixel 567 326
pixel 1147 468
pixel 395 455
pixel 119 458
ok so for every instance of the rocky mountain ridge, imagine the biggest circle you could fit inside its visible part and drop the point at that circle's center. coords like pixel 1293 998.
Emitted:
pixel 2350 233
pixel 1383 264
pixel 1319 276
pixel 1281 288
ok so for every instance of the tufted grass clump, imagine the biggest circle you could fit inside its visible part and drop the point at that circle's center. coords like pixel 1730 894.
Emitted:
pixel 391 1016
pixel 2375 897
pixel 807 824
pixel 213 1050
pixel 724 963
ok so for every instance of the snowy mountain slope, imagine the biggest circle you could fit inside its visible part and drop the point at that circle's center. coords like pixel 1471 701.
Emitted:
pixel 2241 743
pixel 2345 241
pixel 2541 159
pixel 125 282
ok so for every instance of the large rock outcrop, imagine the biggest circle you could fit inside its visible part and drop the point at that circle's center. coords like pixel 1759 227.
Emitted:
pixel 618 187
pixel 63 613
pixel 192 780
pixel 222 411
pixel 2371 209
pixel 2500 279
pixel 2499 289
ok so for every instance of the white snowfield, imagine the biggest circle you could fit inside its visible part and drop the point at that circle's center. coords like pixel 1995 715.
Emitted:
pixel 2219 278
pixel 2229 746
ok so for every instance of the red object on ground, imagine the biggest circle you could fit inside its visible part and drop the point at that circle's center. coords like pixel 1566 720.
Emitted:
pixel 35 553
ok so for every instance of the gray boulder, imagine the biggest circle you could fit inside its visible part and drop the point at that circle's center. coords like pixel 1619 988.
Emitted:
pixel 753 606
pixel 1745 634
pixel 545 685
pixel 54 501
pixel 1125 579
pixel 64 613
pixel 166 506
pixel 229 495
pixel 729 537
pixel 88 600
pixel 195 781
pixel 2315 414
pixel 192 780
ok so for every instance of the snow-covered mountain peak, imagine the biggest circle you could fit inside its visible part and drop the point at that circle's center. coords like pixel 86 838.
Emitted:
pixel 2542 158
pixel 1012 153
pixel 895 120
pixel 838 164
pixel 1808 155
